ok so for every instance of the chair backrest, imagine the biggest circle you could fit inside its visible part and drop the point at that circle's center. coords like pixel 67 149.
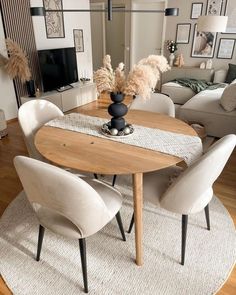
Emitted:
pixel 158 102
pixel 192 190
pixel 51 189
pixel 32 115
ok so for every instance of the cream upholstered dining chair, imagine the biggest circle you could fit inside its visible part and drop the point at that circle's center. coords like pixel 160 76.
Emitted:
pixel 66 204
pixel 158 103
pixel 192 190
pixel 32 116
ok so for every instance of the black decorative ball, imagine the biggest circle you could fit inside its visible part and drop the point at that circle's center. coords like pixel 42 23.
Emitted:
pixel 117 109
pixel 117 97
pixel 118 123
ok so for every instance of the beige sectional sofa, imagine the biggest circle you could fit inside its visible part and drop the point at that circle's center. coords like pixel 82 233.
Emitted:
pixel 204 107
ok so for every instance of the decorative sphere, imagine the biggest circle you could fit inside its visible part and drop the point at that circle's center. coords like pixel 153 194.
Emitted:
pixel 117 110
pixel 126 130
pixel 114 131
pixel 117 97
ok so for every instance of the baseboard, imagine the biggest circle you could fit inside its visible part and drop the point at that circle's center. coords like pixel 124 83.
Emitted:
pixel 12 120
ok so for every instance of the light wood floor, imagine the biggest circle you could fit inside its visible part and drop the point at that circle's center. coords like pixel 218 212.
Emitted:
pixel 13 144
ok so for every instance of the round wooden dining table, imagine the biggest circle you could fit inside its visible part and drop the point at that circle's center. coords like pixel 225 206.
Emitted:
pixel 103 156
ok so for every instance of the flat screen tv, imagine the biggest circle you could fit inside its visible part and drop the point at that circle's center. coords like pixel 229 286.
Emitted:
pixel 58 67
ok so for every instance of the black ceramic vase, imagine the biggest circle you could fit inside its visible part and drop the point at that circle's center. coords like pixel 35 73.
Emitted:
pixel 30 88
pixel 117 110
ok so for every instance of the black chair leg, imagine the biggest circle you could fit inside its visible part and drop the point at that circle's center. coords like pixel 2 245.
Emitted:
pixel 114 180
pixel 82 247
pixel 131 224
pixel 95 176
pixel 40 241
pixel 206 209
pixel 184 235
pixel 119 221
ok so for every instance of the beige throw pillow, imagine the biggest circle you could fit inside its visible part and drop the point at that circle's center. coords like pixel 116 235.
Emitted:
pixel 228 98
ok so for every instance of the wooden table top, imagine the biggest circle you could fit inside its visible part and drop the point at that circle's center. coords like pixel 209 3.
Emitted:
pixel 98 155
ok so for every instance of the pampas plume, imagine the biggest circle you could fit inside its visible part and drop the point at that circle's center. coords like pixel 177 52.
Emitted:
pixel 119 78
pixel 141 80
pixel 17 64
pixel 156 62
pixel 107 63
pixel 104 77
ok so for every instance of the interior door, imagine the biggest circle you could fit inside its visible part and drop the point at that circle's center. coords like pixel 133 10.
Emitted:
pixel 146 30
pixel 98 35
pixel 115 38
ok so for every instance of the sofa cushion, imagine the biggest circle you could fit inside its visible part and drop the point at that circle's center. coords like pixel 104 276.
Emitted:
pixel 205 109
pixel 220 76
pixel 179 94
pixel 228 98
pixel 231 75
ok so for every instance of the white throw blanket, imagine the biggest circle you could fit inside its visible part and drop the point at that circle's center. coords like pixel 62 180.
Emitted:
pixel 186 147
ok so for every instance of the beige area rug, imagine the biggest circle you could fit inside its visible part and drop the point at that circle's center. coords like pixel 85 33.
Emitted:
pixel 210 255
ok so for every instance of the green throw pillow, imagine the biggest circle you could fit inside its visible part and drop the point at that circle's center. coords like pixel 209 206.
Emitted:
pixel 231 75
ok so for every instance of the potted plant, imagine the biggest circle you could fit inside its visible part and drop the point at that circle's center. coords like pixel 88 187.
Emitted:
pixel 140 81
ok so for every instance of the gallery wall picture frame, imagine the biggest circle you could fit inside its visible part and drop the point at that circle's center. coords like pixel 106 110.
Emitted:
pixel 203 45
pixel 54 21
pixel 183 33
pixel 226 48
pixel 196 10
pixel 230 11
pixel 78 40
pixel 214 7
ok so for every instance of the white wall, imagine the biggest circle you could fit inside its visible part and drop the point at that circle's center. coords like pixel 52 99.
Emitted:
pixel 72 20
pixel 184 17
pixel 7 93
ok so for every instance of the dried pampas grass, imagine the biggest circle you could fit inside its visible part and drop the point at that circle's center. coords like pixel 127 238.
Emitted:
pixel 119 78
pixel 156 62
pixel 141 80
pixel 107 63
pixel 104 80
pixel 104 77
pixel 17 64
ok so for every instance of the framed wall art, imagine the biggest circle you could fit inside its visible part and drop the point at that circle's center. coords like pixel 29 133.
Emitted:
pixel 183 33
pixel 54 21
pixel 214 7
pixel 196 10
pixel 230 11
pixel 203 44
pixel 226 48
pixel 78 40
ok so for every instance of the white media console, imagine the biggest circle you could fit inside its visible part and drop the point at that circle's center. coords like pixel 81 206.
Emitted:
pixel 80 94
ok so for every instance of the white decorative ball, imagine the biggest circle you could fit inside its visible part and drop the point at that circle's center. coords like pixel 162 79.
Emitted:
pixel 114 131
pixel 127 130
